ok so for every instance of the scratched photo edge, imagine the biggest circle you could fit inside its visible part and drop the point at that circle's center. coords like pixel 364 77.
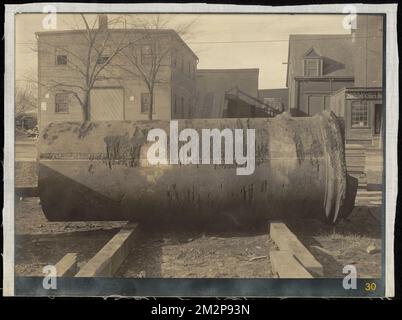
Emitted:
pixel 391 96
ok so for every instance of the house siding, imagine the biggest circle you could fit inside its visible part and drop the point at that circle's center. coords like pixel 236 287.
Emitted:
pixel 172 80
pixel 368 49
pixel 183 83
pixel 336 65
pixel 308 88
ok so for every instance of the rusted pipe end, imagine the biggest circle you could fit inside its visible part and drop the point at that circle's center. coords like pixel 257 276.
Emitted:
pixel 351 191
pixel 341 189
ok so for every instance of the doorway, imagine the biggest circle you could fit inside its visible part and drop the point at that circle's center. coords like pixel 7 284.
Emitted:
pixel 107 104
pixel 377 118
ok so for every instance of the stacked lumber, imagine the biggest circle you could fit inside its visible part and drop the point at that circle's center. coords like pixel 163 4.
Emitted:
pixel 355 158
pixel 374 166
pixel 368 198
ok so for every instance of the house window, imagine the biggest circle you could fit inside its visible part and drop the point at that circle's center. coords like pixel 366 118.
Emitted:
pixel 312 67
pixel 61 103
pixel 61 59
pixel 359 111
pixel 104 55
pixel 146 54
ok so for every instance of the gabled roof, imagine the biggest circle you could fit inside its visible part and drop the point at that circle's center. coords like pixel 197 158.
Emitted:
pixel 311 53
pixel 336 50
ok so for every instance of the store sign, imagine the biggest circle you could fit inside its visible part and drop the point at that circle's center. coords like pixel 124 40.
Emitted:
pixel 364 95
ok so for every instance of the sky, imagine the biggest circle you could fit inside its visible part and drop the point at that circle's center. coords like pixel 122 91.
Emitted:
pixel 221 41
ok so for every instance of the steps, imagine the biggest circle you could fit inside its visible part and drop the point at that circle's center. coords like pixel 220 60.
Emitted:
pixel 368 198
pixel 367 165
pixel 355 158
pixel 374 166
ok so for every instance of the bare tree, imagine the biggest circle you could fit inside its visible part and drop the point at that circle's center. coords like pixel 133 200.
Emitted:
pixel 147 61
pixel 25 97
pixel 89 60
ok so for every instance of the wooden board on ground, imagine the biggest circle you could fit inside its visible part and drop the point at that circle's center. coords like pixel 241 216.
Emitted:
pixel 67 266
pixel 287 241
pixel 286 266
pixel 109 259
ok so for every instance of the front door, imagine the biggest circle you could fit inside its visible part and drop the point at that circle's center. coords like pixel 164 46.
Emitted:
pixel 377 118
pixel 317 104
pixel 107 104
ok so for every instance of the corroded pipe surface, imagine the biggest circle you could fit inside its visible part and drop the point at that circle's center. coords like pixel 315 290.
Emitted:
pixel 99 171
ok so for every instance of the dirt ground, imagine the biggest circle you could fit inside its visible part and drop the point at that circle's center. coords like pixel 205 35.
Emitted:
pixel 159 253
pixel 346 243
pixel 191 253
pixel 195 254
pixel 39 242
pixel 25 166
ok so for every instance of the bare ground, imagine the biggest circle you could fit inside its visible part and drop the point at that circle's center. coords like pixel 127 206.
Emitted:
pixel 191 253
pixel 346 243
pixel 39 242
pixel 195 254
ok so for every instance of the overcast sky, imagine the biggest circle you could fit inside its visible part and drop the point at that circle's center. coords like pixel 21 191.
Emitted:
pixel 219 40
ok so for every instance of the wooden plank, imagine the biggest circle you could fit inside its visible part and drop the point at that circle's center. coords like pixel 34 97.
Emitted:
pixel 287 241
pixel 354 146
pixel 369 193
pixel 67 266
pixel 374 186
pixel 286 266
pixel 109 259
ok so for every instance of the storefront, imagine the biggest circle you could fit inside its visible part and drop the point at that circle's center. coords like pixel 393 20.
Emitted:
pixel 361 109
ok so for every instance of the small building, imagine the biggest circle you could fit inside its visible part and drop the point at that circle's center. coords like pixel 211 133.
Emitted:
pixel 318 66
pixel 342 73
pixel 276 98
pixel 117 94
pixel 229 93
pixel 368 51
pixel 360 109
pixel 360 106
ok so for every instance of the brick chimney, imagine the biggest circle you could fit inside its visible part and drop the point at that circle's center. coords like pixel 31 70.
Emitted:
pixel 102 22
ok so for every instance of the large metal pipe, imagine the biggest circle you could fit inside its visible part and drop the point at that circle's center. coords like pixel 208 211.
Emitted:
pixel 99 171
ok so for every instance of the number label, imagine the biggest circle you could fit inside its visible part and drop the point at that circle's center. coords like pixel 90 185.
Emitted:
pixel 370 286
